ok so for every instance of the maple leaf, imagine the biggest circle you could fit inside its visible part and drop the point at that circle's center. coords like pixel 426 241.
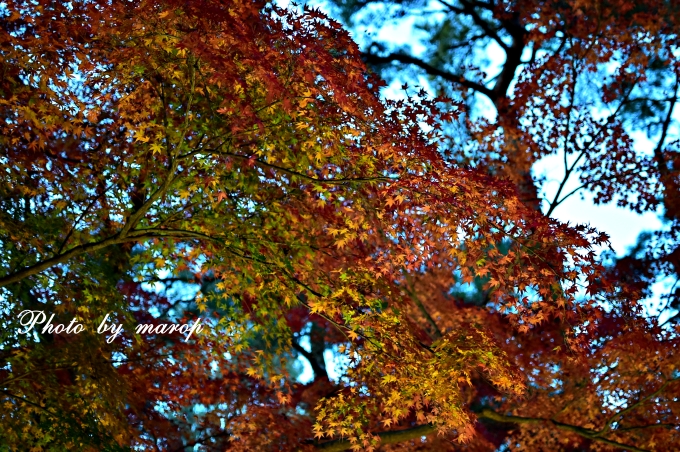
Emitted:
pixel 156 148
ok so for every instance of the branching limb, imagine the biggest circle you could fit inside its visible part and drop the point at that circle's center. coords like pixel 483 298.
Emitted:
pixel 431 70
pixel 132 236
pixel 333 181
pixel 584 432
pixel 319 370
pixel 608 426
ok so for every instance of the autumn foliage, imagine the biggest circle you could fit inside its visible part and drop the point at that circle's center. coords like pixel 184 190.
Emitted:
pixel 167 160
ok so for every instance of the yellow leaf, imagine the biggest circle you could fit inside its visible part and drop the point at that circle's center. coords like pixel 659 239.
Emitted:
pixel 156 148
pixel 389 378
pixel 139 136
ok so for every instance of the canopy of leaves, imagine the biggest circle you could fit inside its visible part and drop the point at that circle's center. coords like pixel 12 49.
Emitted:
pixel 164 161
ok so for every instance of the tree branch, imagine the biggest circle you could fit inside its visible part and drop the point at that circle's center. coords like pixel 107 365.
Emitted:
pixel 132 236
pixel 621 413
pixel 371 58
pixel 658 150
pixel 391 437
pixel 318 368
pixel 63 257
pixel 332 181
pixel 412 294
pixel 584 432
pixel 469 9
pixel 568 170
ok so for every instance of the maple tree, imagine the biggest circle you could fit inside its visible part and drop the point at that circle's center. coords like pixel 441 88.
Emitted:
pixel 165 160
